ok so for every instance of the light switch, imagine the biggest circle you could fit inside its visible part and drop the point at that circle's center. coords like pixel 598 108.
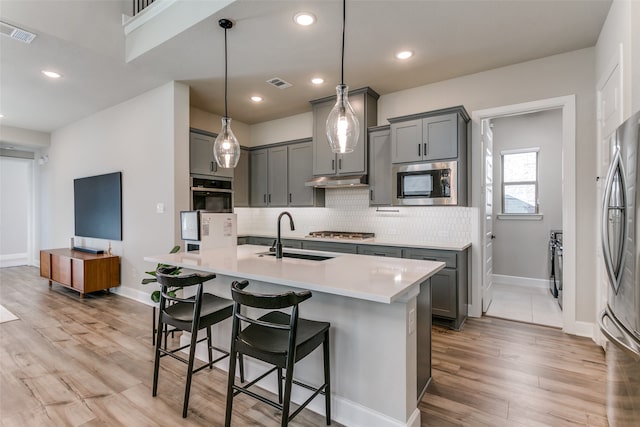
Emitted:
pixel 160 207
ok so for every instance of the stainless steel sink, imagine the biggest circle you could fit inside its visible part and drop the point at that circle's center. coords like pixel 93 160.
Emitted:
pixel 297 255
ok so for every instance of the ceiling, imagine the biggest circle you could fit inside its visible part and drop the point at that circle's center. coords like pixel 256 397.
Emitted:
pixel 85 41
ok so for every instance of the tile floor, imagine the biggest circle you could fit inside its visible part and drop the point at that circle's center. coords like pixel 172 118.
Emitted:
pixel 525 304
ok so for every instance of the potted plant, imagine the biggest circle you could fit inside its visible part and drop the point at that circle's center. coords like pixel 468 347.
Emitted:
pixel 155 295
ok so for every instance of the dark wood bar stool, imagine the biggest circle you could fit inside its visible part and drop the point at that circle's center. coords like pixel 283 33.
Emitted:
pixel 279 339
pixel 188 314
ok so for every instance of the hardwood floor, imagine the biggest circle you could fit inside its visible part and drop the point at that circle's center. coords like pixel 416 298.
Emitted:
pixel 72 362
pixel 498 372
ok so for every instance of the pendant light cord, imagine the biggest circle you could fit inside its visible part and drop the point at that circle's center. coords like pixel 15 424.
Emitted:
pixel 226 115
pixel 344 19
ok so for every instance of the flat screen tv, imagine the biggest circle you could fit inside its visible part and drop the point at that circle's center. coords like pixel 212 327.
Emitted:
pixel 97 202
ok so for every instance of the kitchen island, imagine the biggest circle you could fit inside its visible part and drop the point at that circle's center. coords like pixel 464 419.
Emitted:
pixel 380 315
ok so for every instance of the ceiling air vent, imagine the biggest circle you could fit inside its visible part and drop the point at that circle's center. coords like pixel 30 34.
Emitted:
pixel 16 33
pixel 279 83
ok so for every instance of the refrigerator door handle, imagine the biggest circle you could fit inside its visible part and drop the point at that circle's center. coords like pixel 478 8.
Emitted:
pixel 616 333
pixel 614 204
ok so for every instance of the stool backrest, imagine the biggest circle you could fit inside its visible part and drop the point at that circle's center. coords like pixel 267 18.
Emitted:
pixel 168 280
pixel 266 301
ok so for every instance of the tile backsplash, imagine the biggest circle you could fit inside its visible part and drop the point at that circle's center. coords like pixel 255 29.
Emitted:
pixel 348 210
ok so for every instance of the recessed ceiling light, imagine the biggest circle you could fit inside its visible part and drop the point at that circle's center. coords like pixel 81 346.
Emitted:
pixel 256 98
pixel 1 116
pixel 405 54
pixel 304 18
pixel 317 81
pixel 51 74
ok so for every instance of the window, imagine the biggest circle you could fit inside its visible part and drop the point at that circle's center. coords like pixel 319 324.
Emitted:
pixel 520 181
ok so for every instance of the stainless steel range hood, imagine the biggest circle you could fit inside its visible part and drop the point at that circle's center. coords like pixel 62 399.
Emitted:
pixel 338 181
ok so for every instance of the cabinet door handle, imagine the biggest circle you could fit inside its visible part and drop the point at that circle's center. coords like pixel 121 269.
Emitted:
pixel 269 197
pixel 340 164
pixel 264 198
pixel 211 167
pixel 424 150
pixel 289 197
pixel 333 165
pixel 370 194
pixel 419 147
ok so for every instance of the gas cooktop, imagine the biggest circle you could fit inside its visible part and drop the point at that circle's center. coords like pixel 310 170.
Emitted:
pixel 347 235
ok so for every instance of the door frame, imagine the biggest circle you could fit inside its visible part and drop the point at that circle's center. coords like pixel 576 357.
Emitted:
pixel 568 106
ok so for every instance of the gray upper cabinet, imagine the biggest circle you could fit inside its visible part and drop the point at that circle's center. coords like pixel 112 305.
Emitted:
pixel 241 180
pixel 325 162
pixel 277 179
pixel 300 160
pixel 258 189
pixel 437 135
pixel 380 166
pixel 201 160
pixel 269 177
pixel 278 175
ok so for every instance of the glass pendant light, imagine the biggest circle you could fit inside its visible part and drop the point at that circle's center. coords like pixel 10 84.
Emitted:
pixel 343 129
pixel 226 148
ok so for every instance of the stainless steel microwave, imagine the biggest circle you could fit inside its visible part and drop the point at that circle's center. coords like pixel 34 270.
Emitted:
pixel 425 184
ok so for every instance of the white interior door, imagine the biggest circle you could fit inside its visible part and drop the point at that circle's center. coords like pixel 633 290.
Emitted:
pixel 487 279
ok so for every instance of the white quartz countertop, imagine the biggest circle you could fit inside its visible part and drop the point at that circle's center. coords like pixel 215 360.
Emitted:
pixel 446 246
pixel 370 278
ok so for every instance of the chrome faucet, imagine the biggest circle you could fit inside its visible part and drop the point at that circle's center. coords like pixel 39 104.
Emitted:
pixel 278 240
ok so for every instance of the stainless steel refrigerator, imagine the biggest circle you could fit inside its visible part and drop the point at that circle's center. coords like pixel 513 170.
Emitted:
pixel 620 321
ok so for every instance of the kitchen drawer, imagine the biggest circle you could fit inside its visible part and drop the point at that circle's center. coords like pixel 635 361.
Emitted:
pixel 269 241
pixel 389 251
pixel 447 257
pixel 313 245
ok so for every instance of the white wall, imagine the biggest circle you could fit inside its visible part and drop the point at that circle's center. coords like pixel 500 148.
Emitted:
pixel 204 120
pixel 521 246
pixel 142 137
pixel 16 178
pixel 550 77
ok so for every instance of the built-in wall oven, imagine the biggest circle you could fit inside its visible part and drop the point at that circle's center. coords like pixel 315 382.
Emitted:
pixel 424 184
pixel 211 195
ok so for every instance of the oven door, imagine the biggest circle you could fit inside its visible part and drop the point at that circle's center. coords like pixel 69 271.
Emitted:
pixel 212 200
pixel 424 184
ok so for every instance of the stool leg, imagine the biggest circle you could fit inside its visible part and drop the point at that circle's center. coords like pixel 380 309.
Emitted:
pixel 279 373
pixel 156 363
pixel 153 335
pixel 287 392
pixel 209 344
pixel 327 377
pixel 192 354
pixel 241 364
pixel 231 381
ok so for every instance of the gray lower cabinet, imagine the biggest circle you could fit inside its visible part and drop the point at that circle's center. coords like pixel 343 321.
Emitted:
pixel 449 286
pixel 314 245
pixel 380 166
pixel 375 250
pixel 201 159
pixel 423 328
pixel 269 177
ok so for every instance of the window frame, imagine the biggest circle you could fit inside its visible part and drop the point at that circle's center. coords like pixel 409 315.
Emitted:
pixel 535 182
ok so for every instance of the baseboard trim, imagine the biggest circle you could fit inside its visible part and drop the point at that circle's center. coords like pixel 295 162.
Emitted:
pixel 529 282
pixel 134 294
pixel 14 260
pixel 582 329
